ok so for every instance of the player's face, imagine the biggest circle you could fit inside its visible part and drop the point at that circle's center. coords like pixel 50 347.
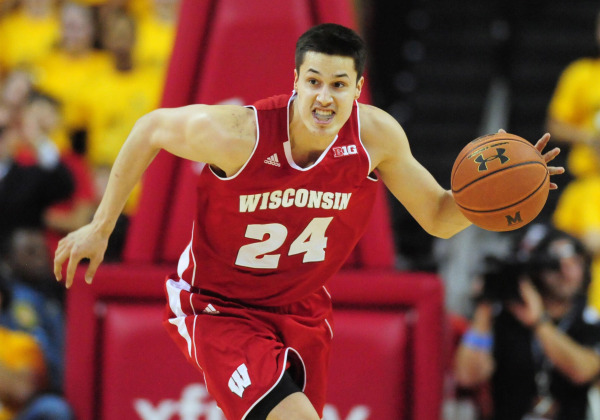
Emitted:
pixel 327 88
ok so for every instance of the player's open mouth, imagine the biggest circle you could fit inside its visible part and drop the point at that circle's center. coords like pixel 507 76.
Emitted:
pixel 323 115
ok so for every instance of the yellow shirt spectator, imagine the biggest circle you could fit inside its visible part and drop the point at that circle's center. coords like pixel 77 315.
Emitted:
pixel 67 78
pixel 113 105
pixel 137 7
pixel 19 351
pixel 578 212
pixel 116 102
pixel 576 101
pixel 25 40
pixel 154 42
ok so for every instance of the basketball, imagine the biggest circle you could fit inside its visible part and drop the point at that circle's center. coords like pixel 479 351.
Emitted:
pixel 500 182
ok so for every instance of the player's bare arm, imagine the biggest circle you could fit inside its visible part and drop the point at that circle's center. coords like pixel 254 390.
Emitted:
pixel 223 136
pixel 432 206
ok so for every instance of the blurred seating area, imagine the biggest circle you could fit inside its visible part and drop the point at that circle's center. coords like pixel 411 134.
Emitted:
pixel 74 78
pixel 80 73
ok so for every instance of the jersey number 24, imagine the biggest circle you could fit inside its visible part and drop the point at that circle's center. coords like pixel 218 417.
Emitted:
pixel 311 242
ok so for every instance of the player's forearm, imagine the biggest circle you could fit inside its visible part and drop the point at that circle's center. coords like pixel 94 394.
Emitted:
pixel 577 362
pixel 449 219
pixel 133 159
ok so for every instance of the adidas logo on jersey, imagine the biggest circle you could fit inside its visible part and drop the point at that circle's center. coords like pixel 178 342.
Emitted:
pixel 273 160
pixel 210 310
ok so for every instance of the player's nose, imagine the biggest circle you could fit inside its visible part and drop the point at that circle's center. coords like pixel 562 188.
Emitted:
pixel 324 97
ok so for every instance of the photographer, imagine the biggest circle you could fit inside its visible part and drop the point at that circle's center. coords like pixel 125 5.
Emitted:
pixel 533 334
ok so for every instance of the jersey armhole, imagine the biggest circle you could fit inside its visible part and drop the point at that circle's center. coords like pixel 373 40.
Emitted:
pixel 222 178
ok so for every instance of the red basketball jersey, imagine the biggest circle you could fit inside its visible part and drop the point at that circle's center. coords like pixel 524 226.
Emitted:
pixel 274 232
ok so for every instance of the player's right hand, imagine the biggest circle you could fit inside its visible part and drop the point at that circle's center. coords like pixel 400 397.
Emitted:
pixel 87 242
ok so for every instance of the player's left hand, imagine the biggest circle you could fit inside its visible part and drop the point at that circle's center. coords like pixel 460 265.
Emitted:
pixel 548 156
pixel 87 242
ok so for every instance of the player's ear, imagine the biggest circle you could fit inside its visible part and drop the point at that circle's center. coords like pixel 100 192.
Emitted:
pixel 295 80
pixel 359 86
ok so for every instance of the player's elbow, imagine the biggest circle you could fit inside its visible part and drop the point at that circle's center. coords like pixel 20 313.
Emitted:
pixel 444 230
pixel 143 129
pixel 443 234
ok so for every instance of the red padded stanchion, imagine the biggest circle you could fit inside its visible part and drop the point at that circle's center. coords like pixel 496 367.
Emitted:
pixel 147 226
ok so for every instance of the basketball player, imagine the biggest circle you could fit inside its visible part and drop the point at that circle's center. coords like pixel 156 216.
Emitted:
pixel 285 196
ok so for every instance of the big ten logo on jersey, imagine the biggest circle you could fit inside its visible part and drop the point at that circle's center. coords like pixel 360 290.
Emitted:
pixel 196 404
pixel 345 151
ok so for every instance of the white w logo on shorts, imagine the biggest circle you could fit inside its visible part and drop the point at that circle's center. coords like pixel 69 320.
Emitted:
pixel 240 380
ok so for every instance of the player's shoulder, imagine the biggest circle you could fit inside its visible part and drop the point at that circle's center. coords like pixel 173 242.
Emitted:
pixel 374 118
pixel 272 102
pixel 218 114
pixel 376 125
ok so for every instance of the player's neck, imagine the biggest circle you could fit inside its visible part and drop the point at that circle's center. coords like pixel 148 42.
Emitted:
pixel 303 141
pixel 306 148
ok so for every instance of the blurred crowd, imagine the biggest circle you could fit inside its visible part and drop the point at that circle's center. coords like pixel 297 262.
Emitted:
pixel 531 347
pixel 74 78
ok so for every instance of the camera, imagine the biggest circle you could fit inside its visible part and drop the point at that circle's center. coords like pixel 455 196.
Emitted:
pixel 501 276
pixel 501 279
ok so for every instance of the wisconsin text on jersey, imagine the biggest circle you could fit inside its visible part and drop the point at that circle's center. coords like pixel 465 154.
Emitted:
pixel 291 197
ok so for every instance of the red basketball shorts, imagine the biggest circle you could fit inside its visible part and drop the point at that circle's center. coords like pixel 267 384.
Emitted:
pixel 244 351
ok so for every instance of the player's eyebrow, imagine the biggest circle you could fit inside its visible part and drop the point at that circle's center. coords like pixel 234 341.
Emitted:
pixel 336 76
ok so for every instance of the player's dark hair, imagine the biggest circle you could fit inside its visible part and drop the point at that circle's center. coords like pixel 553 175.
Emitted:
pixel 333 39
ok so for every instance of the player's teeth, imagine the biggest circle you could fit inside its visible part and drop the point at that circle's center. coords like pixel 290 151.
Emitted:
pixel 324 113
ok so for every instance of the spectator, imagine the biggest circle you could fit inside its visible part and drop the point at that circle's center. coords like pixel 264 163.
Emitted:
pixel 15 91
pixel 156 33
pixel 74 66
pixel 76 210
pixel 106 8
pixel 537 341
pixel 26 191
pixel 574 116
pixel 28 33
pixel 119 98
pixel 574 119
pixel 34 308
pixel 578 212
pixel 7 6
pixel 23 374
